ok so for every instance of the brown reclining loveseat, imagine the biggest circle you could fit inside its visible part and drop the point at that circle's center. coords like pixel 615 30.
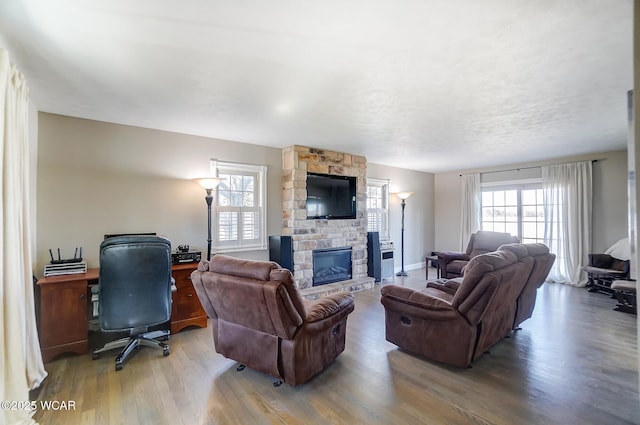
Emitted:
pixel 456 328
pixel 542 262
pixel 261 321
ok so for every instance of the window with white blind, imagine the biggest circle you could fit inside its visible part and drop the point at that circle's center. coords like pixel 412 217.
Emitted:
pixel 378 207
pixel 240 207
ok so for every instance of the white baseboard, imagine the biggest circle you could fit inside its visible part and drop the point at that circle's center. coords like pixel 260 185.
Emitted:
pixel 413 266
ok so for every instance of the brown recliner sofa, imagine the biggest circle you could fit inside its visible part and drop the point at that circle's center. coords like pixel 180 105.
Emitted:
pixel 542 262
pixel 456 328
pixel 451 263
pixel 261 321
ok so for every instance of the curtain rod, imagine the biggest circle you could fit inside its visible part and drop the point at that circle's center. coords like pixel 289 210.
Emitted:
pixel 518 169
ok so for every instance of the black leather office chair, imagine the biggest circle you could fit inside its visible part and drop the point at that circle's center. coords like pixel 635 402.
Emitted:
pixel 134 292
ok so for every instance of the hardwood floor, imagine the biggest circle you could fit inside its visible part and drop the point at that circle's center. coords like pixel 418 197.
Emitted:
pixel 574 362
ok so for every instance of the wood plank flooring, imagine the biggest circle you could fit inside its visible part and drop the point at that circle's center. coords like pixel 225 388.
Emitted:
pixel 574 362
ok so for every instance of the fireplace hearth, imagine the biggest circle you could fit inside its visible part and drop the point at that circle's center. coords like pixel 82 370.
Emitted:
pixel 331 265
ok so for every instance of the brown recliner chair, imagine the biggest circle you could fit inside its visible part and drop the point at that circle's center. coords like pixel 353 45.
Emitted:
pixel 451 263
pixel 261 321
pixel 457 328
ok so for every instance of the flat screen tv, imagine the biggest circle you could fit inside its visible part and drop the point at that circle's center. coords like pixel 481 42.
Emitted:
pixel 331 197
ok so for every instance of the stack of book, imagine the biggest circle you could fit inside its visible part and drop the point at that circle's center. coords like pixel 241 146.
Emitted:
pixel 65 268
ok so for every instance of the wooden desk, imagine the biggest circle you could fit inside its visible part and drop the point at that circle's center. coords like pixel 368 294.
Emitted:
pixel 186 309
pixel 63 321
pixel 64 303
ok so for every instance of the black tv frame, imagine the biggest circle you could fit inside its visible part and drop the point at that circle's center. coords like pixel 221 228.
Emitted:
pixel 353 189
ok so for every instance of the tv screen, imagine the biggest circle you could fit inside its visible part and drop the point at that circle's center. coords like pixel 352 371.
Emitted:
pixel 331 197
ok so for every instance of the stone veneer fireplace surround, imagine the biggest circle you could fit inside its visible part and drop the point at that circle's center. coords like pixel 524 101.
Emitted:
pixel 308 235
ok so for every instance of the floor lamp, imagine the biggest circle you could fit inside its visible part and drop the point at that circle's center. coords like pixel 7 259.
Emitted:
pixel 209 183
pixel 403 196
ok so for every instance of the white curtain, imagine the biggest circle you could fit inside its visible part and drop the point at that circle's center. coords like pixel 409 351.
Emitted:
pixel 471 204
pixel 567 191
pixel 21 367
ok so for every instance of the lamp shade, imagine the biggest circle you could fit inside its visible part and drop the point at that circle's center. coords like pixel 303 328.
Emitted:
pixel 403 195
pixel 208 182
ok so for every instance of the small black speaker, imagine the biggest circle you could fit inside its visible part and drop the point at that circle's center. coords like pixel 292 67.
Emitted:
pixel 281 251
pixel 374 259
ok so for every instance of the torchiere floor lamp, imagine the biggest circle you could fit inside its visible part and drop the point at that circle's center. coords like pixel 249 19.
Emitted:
pixel 209 183
pixel 403 196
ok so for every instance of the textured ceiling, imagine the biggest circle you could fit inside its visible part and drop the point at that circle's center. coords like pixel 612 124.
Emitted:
pixel 433 85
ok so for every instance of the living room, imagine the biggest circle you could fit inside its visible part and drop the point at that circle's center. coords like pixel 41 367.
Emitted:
pixel 143 168
pixel 92 177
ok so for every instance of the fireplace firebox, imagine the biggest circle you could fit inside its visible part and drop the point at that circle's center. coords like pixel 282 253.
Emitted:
pixel 331 265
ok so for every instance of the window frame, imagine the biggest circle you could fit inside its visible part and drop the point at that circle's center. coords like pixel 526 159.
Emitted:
pixel 259 172
pixel 384 184
pixel 520 222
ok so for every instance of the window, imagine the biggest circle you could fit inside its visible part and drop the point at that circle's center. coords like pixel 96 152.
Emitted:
pixel 378 207
pixel 240 217
pixel 518 210
pixel 532 206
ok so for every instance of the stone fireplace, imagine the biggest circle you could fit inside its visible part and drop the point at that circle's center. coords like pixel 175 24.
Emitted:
pixel 323 234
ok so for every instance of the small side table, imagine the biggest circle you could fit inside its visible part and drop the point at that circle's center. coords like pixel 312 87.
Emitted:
pixel 433 259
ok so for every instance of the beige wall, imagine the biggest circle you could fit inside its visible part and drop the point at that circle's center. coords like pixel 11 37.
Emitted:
pixel 96 178
pixel 609 200
pixel 419 212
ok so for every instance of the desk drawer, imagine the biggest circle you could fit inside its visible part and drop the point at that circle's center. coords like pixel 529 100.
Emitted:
pixel 186 309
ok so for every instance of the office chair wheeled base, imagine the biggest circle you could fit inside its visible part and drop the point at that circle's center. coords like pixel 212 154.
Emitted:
pixel 150 339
